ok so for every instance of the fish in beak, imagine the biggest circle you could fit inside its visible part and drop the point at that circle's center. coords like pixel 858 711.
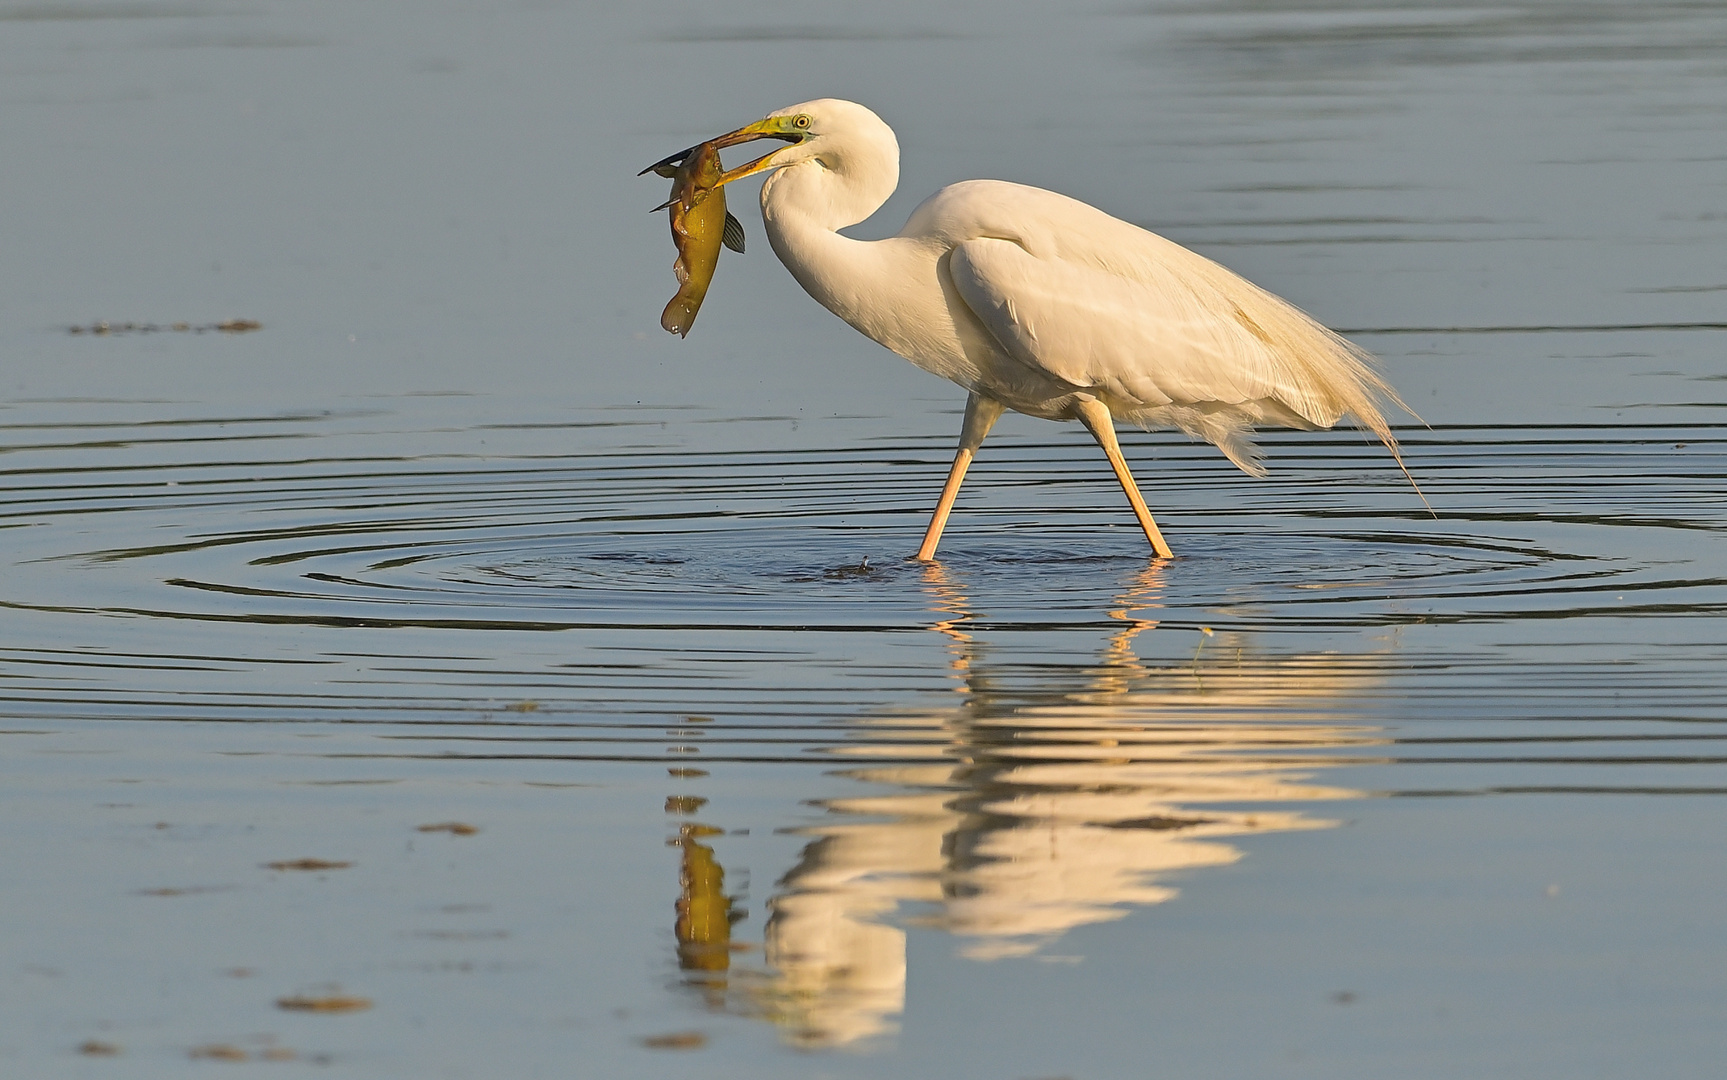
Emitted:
pixel 700 225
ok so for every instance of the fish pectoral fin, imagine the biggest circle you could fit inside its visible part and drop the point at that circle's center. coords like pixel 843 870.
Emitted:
pixel 665 205
pixel 682 271
pixel 733 234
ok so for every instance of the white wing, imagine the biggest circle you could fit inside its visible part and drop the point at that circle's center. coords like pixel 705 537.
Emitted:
pixel 1140 343
pixel 1164 336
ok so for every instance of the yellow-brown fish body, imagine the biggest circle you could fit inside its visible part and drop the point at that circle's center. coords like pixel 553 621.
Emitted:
pixel 700 225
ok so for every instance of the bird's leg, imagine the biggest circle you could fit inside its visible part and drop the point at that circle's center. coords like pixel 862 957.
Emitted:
pixel 1094 414
pixel 981 413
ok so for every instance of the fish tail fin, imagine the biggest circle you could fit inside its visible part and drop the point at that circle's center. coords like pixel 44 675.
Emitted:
pixel 680 315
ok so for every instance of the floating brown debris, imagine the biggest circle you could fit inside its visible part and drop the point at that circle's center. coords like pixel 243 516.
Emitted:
pixel 218 1052
pixel 687 772
pixel 104 328
pixel 98 1048
pixel 676 1040
pixel 334 1003
pixel 454 828
pixel 188 890
pixel 684 804
pixel 308 864
pixel 523 706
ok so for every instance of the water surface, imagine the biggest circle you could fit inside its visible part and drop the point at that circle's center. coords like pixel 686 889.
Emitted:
pixel 585 664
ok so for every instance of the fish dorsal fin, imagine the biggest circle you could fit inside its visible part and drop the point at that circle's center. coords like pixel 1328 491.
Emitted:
pixel 733 236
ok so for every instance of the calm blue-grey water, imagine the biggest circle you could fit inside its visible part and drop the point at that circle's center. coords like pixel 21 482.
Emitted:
pixel 717 784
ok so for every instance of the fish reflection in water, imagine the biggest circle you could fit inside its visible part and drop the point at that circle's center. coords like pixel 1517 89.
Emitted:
pixel 705 913
pixel 1044 810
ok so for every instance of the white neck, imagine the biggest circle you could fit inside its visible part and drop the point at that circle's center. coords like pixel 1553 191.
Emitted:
pixel 841 176
pixel 804 204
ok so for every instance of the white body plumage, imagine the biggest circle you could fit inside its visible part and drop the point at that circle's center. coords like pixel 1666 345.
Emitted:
pixel 1038 303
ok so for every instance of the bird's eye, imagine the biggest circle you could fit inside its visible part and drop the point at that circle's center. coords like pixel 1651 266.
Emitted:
pixel 801 120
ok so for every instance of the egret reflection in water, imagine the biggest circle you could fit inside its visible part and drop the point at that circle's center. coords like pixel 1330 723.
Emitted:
pixel 1042 807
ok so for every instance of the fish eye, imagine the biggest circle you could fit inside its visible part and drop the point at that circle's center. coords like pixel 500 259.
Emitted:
pixel 801 120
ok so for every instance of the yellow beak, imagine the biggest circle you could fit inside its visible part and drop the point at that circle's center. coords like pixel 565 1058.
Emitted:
pixel 774 127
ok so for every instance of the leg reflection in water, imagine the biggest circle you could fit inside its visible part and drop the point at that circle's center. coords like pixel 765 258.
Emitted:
pixel 1048 798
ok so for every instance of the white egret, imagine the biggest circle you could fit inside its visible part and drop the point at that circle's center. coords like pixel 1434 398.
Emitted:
pixel 1036 302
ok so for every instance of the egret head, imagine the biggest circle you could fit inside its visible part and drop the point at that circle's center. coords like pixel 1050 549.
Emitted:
pixel 788 125
pixel 804 126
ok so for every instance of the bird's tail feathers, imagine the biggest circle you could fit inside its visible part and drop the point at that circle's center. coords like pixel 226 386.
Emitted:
pixel 1368 385
pixel 1323 375
pixel 1228 431
pixel 1238 446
